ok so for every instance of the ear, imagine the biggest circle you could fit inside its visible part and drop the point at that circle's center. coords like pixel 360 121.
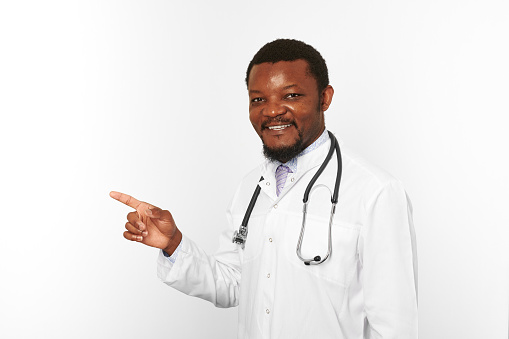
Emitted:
pixel 326 98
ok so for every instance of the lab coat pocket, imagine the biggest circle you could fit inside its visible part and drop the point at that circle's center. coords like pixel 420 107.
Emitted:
pixel 255 225
pixel 340 266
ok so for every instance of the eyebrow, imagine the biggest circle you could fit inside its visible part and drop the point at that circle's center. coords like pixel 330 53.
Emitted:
pixel 284 88
pixel 290 86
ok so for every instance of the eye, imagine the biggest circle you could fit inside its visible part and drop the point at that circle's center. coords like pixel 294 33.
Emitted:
pixel 292 95
pixel 256 100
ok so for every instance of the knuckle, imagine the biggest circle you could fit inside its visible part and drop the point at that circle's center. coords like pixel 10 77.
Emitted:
pixel 132 216
pixel 167 215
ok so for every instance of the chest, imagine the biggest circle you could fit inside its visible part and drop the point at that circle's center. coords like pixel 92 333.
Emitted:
pixel 276 225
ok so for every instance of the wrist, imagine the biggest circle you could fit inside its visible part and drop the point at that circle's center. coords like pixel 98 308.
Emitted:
pixel 173 243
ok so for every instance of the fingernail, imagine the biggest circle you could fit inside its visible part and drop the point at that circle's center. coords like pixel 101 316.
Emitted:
pixel 145 233
pixel 148 212
pixel 140 225
pixel 140 238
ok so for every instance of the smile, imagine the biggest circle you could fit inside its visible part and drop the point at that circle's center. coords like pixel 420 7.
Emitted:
pixel 278 128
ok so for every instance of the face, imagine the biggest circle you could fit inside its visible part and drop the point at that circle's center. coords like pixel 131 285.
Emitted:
pixel 285 107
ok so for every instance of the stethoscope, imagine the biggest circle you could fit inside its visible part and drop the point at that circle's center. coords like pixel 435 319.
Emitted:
pixel 240 236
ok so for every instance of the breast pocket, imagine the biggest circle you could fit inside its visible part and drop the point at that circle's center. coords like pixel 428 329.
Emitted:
pixel 340 266
pixel 255 225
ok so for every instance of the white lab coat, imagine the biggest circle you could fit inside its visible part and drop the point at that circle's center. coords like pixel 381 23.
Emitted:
pixel 366 289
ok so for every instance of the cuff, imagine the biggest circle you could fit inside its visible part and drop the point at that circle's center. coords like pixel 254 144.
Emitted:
pixel 175 254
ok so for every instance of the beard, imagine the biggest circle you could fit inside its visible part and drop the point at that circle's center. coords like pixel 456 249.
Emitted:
pixel 285 153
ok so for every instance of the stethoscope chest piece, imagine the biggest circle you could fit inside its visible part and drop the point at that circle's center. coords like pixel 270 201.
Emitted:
pixel 240 236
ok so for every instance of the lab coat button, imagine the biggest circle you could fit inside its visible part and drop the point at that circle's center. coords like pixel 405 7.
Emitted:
pixel 268 275
pixel 270 239
pixel 268 183
pixel 275 206
pixel 267 311
pixel 292 179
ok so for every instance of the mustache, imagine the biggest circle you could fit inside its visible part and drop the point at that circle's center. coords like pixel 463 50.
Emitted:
pixel 277 120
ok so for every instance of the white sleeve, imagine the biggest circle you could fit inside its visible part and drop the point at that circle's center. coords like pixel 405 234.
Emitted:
pixel 389 265
pixel 214 278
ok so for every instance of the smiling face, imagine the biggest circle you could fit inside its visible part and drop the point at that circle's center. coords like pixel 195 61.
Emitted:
pixel 286 108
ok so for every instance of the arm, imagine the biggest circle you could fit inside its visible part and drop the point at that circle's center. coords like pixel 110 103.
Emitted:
pixel 213 278
pixel 388 256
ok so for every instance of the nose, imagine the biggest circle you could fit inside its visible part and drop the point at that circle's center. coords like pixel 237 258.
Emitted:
pixel 274 109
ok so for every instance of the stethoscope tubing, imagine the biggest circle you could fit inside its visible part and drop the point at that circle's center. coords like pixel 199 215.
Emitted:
pixel 240 236
pixel 334 200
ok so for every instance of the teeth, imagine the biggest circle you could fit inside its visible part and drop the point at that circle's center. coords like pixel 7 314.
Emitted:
pixel 278 128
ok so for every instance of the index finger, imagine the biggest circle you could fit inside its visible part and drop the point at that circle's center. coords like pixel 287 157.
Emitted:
pixel 125 199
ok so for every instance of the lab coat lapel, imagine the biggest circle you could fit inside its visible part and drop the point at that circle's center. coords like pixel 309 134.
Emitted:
pixel 268 184
pixel 305 163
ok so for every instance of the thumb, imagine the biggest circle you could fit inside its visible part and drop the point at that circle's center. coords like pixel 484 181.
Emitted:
pixel 157 213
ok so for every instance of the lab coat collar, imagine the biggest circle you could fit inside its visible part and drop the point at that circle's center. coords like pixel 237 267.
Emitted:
pixel 305 163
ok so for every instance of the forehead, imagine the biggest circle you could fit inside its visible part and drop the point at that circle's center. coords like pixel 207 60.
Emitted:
pixel 281 73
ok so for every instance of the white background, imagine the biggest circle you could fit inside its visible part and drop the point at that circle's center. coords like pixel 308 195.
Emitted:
pixel 148 98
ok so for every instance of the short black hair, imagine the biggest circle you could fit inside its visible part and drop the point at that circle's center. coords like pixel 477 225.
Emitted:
pixel 291 50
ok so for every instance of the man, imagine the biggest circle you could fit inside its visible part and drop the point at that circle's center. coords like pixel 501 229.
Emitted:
pixel 367 286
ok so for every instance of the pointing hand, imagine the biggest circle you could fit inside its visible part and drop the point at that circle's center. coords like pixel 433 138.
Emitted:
pixel 149 225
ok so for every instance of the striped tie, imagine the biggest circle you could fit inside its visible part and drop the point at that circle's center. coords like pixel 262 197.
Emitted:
pixel 281 174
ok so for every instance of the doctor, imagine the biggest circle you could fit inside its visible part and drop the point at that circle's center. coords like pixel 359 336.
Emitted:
pixel 365 289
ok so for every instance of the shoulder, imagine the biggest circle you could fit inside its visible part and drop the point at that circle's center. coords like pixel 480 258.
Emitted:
pixel 358 166
pixel 368 179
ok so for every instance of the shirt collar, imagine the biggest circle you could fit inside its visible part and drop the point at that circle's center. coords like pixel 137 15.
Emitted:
pixel 292 164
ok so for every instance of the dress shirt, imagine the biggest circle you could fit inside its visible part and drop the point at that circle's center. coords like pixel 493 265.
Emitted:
pixel 367 287
pixel 292 164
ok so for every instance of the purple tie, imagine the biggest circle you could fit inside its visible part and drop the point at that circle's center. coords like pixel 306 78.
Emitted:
pixel 281 174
